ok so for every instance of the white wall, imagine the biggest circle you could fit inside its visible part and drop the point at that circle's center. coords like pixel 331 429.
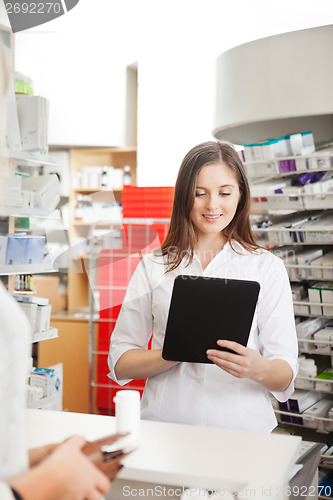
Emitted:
pixel 176 44
pixel 78 62
pixel 177 74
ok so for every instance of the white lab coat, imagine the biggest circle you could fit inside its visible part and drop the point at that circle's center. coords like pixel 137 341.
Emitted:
pixel 203 394
pixel 15 349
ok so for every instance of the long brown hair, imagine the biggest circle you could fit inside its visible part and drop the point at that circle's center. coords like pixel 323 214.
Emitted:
pixel 181 236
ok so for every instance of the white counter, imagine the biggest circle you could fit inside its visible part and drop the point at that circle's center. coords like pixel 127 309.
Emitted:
pixel 254 464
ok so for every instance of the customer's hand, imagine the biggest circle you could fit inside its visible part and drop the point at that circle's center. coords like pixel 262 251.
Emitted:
pixel 246 363
pixel 36 455
pixel 66 474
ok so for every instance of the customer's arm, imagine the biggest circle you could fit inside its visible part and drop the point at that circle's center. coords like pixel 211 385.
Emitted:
pixel 141 363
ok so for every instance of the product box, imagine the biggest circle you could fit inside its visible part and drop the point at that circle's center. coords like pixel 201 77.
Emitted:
pixel 34 250
pixel 30 310
pixel 324 381
pixel 316 268
pixel 314 292
pixel 323 338
pixel 248 154
pixel 302 309
pixel 45 378
pixel 270 149
pixel 41 301
pixel 284 148
pixel 45 188
pixel 15 250
pixel 296 143
pixel 319 409
pixel 308 143
pixel 3 248
pixel 43 318
pixel 308 327
pixel 10 114
pixel 303 345
pixel 302 400
pixel 327 298
pixel 305 257
pixel 33 114
pixel 298 292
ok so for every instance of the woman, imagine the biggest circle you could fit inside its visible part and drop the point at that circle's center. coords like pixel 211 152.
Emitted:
pixel 209 235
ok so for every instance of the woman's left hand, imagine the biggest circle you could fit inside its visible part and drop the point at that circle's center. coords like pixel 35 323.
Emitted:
pixel 246 363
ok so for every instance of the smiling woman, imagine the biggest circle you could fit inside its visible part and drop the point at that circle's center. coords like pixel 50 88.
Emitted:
pixel 209 235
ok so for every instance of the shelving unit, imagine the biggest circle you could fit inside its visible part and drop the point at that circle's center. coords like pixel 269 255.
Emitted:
pixel 273 238
pixel 78 283
pixel 29 160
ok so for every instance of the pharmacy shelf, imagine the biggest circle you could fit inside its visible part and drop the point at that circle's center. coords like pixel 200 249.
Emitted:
pixel 97 190
pixel 322 229
pixel 38 213
pixel 313 156
pixel 43 268
pixel 280 175
pixel 307 266
pixel 292 195
pixel 52 333
pixel 325 424
pixel 31 159
pixel 42 403
pixel 316 380
pixel 306 303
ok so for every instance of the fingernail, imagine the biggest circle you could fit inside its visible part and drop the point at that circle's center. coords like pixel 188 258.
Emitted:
pixel 220 342
pixel 209 353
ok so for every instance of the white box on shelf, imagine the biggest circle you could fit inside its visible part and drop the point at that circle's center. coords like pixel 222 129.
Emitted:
pixel 270 149
pixel 319 409
pixel 43 318
pixel 45 378
pixel 301 163
pixel 3 248
pixel 314 292
pixel 327 297
pixel 296 143
pixel 324 381
pixel 323 338
pixel 308 327
pixel 308 142
pixel 41 301
pixel 34 250
pixel 303 345
pixel 30 310
pixel 33 117
pixel 302 400
pixel 302 309
pixel 298 292
pixel 15 250
pixel 45 187
pixel 13 134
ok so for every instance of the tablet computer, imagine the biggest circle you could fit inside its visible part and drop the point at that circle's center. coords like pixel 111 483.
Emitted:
pixel 204 310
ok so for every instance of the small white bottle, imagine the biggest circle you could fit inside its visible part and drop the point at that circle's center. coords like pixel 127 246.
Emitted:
pixel 128 412
pixel 127 178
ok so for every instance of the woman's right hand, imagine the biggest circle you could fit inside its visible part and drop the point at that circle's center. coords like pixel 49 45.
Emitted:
pixel 66 474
